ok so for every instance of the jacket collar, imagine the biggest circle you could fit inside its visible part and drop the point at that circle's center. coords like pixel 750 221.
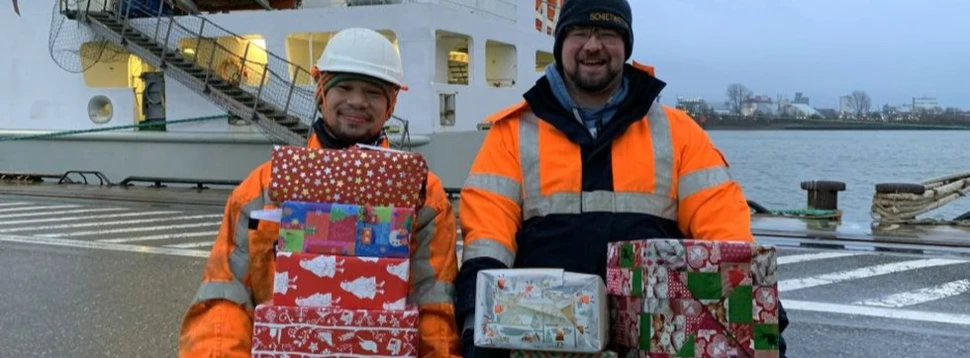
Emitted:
pixel 643 89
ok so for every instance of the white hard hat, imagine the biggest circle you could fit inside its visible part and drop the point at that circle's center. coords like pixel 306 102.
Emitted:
pixel 363 51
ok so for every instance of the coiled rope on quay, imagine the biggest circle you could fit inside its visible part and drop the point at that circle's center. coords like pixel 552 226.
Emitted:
pixel 901 203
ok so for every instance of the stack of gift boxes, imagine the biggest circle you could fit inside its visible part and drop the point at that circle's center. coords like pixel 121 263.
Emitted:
pixel 342 257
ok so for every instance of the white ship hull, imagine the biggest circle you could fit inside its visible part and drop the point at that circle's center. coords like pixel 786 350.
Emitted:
pixel 464 60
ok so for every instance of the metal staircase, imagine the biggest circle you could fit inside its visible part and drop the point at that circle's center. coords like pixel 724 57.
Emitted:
pixel 265 92
pixel 458 73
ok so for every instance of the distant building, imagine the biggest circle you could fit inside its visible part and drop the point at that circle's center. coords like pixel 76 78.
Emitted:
pixel 925 104
pixel 693 105
pixel 900 112
pixel 723 109
pixel 828 113
pixel 800 99
pixel 801 111
pixel 759 106
pixel 845 106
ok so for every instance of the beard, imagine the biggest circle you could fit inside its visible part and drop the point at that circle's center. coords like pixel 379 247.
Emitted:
pixel 356 132
pixel 362 130
pixel 593 83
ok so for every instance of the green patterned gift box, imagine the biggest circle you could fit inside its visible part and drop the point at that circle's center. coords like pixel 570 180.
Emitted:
pixel 542 354
pixel 693 298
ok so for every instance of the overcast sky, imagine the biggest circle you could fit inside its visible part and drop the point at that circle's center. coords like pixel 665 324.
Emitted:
pixel 893 49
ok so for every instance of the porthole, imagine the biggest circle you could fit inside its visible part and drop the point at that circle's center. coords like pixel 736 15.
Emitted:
pixel 100 109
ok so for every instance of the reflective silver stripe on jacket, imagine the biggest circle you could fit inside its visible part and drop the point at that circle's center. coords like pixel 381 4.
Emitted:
pixel 496 184
pixel 663 150
pixel 661 203
pixel 487 247
pixel 703 179
pixel 600 201
pixel 239 262
pixel 529 154
pixel 426 288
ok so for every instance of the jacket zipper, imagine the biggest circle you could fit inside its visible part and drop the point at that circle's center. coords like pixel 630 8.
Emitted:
pixel 585 159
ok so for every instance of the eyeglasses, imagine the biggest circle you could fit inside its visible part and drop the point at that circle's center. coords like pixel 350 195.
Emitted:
pixel 581 35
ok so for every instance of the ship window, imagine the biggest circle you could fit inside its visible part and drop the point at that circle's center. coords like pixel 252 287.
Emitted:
pixel 547 15
pixel 543 59
pixel 100 109
pixel 447 109
pixel 237 60
pixel 452 58
pixel 500 64
pixel 303 49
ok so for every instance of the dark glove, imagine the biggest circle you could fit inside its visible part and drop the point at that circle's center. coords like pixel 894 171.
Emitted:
pixel 470 351
pixel 782 324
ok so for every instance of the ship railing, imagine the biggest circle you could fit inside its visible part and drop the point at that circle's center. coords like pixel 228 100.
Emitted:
pixel 238 60
pixel 502 9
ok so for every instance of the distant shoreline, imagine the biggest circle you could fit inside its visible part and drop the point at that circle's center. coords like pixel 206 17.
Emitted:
pixel 781 124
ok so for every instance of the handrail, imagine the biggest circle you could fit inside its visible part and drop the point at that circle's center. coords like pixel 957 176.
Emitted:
pixel 503 9
pixel 453 193
pixel 65 179
pixel 157 181
pixel 27 177
pixel 264 78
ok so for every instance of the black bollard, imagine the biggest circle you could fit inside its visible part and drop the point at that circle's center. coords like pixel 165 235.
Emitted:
pixel 822 194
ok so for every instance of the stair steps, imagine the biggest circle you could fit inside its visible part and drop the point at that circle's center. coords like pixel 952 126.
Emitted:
pixel 280 123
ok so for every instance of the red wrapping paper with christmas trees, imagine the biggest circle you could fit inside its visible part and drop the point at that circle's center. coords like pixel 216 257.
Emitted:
pixel 354 282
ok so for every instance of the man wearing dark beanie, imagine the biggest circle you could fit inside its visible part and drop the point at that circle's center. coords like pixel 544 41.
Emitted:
pixel 589 158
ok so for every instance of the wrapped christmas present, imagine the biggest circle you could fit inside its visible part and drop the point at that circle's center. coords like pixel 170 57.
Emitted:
pixel 541 309
pixel 352 282
pixel 359 175
pixel 289 331
pixel 693 298
pixel 346 230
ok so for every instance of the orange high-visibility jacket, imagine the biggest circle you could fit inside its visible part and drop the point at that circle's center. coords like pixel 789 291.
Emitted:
pixel 543 192
pixel 239 274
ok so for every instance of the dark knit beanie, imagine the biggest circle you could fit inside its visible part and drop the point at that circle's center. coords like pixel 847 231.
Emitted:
pixel 615 14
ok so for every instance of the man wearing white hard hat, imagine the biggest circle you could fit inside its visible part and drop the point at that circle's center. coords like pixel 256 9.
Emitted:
pixel 358 78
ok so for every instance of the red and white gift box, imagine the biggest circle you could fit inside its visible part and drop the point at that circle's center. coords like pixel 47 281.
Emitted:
pixel 287 331
pixel 349 282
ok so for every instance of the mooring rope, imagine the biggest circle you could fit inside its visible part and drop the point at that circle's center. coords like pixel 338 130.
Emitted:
pixel 902 207
pixel 143 125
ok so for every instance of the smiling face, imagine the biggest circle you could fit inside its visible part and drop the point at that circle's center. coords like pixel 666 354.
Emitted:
pixel 592 58
pixel 356 110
